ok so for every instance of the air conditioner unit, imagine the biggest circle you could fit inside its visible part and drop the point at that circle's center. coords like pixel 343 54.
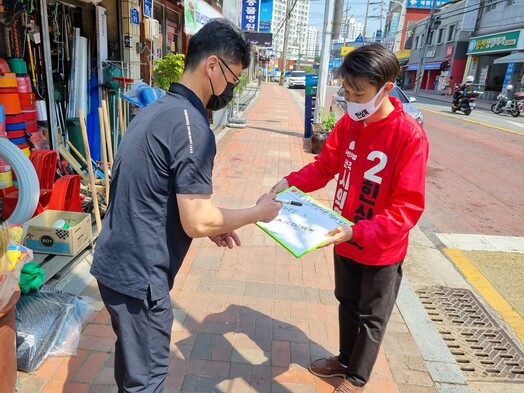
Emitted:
pixel 152 28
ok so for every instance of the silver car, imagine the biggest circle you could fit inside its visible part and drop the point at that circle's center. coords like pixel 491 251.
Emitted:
pixel 338 103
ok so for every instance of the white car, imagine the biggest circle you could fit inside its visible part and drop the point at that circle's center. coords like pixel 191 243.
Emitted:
pixel 296 79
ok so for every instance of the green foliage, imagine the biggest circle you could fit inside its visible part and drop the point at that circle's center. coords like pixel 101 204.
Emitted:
pixel 327 121
pixel 169 69
pixel 308 69
pixel 239 89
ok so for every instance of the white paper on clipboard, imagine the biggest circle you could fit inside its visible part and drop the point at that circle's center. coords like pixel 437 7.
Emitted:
pixel 301 229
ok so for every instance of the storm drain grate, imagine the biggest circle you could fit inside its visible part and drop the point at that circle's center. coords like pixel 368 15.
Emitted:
pixel 480 346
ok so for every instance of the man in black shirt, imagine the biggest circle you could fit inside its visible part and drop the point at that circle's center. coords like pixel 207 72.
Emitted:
pixel 161 199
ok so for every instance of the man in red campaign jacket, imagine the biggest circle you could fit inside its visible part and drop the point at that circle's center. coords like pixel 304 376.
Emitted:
pixel 379 155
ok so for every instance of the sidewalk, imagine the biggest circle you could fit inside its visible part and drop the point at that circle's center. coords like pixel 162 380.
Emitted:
pixel 251 319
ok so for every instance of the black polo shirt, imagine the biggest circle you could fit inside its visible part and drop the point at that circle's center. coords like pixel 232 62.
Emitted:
pixel 168 149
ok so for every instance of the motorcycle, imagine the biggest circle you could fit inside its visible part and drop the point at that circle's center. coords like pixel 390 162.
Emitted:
pixel 466 103
pixel 504 104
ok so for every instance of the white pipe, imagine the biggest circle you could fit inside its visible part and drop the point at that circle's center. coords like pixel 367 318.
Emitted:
pixel 28 186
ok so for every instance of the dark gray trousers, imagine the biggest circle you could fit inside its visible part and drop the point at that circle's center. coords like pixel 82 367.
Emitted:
pixel 143 331
pixel 367 296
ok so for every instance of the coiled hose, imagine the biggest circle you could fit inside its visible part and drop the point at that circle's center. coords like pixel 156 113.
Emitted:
pixel 28 186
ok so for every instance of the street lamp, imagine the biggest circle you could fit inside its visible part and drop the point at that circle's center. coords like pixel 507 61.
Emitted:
pixel 432 22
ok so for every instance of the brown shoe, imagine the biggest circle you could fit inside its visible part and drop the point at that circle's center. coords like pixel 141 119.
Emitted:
pixel 328 367
pixel 348 387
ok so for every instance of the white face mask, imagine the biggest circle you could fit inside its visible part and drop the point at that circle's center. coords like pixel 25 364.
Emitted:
pixel 361 111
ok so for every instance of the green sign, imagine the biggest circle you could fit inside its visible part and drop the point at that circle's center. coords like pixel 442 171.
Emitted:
pixel 494 42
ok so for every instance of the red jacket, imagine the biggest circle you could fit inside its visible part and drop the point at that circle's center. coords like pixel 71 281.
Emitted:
pixel 381 172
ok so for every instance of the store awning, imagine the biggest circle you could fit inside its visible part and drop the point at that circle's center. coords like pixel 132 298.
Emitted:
pixel 517 57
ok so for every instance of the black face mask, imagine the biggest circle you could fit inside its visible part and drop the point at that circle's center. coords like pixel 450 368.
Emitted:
pixel 215 102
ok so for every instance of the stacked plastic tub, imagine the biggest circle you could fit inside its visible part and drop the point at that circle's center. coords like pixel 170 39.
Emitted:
pixel 6 175
pixel 15 124
pixel 26 98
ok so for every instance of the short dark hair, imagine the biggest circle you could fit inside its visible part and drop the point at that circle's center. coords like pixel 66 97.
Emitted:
pixel 221 38
pixel 374 63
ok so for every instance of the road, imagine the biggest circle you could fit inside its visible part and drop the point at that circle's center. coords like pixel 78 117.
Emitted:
pixel 475 172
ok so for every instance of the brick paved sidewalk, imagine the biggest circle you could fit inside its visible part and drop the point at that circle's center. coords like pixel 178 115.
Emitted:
pixel 248 319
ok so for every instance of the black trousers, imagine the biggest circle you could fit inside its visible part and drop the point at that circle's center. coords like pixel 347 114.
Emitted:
pixel 367 295
pixel 143 331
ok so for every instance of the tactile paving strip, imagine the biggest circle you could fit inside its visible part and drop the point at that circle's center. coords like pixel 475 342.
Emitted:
pixel 480 346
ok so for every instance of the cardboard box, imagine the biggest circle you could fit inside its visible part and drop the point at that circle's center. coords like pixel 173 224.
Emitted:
pixel 43 238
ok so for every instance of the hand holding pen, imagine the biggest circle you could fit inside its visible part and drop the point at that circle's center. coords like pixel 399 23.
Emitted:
pixel 292 203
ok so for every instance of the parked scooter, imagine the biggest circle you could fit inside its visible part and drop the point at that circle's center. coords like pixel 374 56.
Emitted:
pixel 504 104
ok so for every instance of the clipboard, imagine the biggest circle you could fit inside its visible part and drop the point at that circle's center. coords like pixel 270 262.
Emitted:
pixel 301 229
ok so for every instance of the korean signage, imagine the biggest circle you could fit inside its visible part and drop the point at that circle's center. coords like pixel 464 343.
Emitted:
pixel 393 27
pixel 425 4
pixel 509 73
pixel 250 10
pixel 266 13
pixel 135 16
pixel 469 19
pixel 495 42
pixel 197 14
pixel 148 5
pixel 335 63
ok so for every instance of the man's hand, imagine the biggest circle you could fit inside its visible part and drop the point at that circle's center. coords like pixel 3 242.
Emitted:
pixel 226 240
pixel 267 207
pixel 338 235
pixel 280 186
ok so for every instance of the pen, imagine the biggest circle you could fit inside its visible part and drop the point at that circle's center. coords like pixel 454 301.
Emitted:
pixel 294 203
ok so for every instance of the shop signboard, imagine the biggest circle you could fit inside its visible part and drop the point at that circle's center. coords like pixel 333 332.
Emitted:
pixel 393 27
pixel 509 73
pixel 250 14
pixel 501 42
pixel 266 13
pixel 147 8
pixel 425 4
pixel 135 16
pixel 469 19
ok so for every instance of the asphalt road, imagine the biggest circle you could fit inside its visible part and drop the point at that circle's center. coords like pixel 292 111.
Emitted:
pixel 475 172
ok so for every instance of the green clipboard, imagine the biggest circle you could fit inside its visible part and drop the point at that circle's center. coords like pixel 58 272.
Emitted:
pixel 301 229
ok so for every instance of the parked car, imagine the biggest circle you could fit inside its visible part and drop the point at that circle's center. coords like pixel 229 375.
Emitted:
pixel 338 103
pixel 296 79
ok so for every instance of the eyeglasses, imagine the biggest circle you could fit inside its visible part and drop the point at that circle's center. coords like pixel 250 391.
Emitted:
pixel 237 81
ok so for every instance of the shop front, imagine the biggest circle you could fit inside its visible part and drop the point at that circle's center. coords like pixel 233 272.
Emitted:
pixel 496 60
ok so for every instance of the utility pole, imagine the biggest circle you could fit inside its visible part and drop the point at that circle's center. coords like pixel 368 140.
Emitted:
pixel 324 57
pixel 284 49
pixel 365 22
pixel 422 63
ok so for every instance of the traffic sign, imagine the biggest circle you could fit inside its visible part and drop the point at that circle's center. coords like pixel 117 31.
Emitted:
pixel 360 38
